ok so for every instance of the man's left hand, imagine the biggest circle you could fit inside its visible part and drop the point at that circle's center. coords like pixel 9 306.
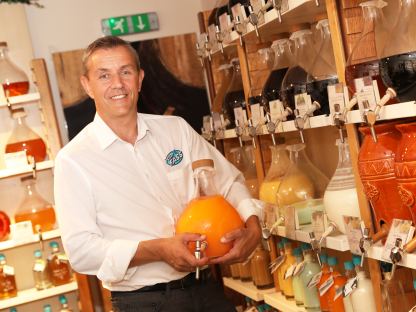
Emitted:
pixel 245 241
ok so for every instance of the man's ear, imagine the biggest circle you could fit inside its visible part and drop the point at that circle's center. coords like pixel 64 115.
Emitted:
pixel 86 85
pixel 141 77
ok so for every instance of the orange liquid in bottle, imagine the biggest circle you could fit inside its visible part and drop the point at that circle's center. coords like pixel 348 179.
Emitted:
pixel 8 287
pixel 323 300
pixel 16 88
pixel 336 305
pixel 60 272
pixel 35 148
pixel 45 217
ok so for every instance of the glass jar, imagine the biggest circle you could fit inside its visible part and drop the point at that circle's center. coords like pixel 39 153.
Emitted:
pixel 25 139
pixel 35 208
pixel 12 78
pixel 225 71
pixel 341 188
pixel 260 267
pixel 207 210
pixel 245 273
pixel 398 63
pixel 234 96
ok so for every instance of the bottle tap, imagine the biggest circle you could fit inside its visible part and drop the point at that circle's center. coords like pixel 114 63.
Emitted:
pixel 316 246
pixel 200 53
pixel 300 121
pixel 207 46
pixel 339 121
pixel 252 131
pixel 370 119
pixel 277 5
pixel 332 227
pixel 271 128
pixel 317 2
pixel 239 130
pixel 390 94
pixel 220 38
pixel 239 27
pixel 253 18
pixel 213 134
pixel 200 246
pixel 368 240
pixel 396 255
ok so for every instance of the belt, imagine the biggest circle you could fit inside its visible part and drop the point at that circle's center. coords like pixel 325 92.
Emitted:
pixel 182 283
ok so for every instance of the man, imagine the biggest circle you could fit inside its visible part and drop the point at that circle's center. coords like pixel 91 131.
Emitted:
pixel 117 196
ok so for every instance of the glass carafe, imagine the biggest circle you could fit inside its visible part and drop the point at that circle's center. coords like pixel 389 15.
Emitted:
pixel 363 61
pixel 58 266
pixel 25 139
pixel 35 208
pixel 341 189
pixel 12 78
pixel 323 71
pixel 234 96
pixel 225 71
pixel 275 174
pixel 303 185
pixel 8 287
pixel 398 63
pixel 40 272
pixel 205 214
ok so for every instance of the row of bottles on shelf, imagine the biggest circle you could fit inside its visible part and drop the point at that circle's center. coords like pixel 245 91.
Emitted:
pixel 33 208
pixel 48 308
pixel 54 271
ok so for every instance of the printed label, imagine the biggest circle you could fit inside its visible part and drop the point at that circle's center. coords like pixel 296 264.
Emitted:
pixel 8 270
pixel 399 229
pixel 338 292
pixel 350 286
pixel 225 27
pixel 299 268
pixel 354 235
pixel 276 110
pixel 315 280
pixel 326 286
pixel 255 114
pixel 318 224
pixel 22 232
pixel 290 270
pixel 39 267
pixel 365 93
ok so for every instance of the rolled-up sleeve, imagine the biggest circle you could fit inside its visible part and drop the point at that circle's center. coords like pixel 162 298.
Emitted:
pixel 88 251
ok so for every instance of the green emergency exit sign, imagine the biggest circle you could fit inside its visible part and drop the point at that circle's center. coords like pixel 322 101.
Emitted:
pixel 130 24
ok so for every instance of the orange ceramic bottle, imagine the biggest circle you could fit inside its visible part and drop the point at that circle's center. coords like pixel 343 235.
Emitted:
pixel 209 213
pixel 323 300
pixel 335 294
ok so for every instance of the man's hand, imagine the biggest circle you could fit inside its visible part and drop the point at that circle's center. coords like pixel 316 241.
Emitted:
pixel 174 251
pixel 245 241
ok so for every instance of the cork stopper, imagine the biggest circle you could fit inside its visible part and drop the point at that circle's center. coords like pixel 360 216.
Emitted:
pixel 202 163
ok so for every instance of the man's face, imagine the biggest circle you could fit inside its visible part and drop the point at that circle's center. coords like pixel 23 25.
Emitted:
pixel 114 82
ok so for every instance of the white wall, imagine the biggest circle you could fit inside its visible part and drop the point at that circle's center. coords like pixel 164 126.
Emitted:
pixel 68 25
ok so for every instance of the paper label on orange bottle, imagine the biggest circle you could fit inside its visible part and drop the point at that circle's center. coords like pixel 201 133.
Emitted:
pixel 326 286
pixel 315 280
pixel 338 292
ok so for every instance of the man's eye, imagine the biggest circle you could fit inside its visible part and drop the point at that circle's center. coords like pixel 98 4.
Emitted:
pixel 103 76
pixel 126 72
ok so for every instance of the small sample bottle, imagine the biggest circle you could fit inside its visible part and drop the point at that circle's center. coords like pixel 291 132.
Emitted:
pixel 40 272
pixel 8 287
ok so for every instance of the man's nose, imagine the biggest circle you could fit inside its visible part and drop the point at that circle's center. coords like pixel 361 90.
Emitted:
pixel 117 81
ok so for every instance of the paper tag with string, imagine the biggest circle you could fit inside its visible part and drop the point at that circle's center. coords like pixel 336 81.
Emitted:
pixel 326 286
pixel 274 265
pixel 315 280
pixel 350 286
pixel 289 271
pixel 299 268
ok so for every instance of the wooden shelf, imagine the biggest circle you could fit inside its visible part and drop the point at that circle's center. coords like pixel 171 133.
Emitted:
pixel 10 172
pixel 20 99
pixel 375 252
pixel 30 295
pixel 278 301
pixel 9 244
pixel 246 288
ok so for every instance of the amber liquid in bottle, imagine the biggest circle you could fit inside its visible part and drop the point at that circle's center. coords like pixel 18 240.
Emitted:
pixel 35 148
pixel 58 265
pixel 44 217
pixel 16 88
pixel 8 287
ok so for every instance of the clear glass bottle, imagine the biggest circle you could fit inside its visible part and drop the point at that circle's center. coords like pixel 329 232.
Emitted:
pixel 260 262
pixel 289 261
pixel 296 281
pixel 311 296
pixel 234 96
pixel 398 62
pixel 302 184
pixel 12 78
pixel 205 213
pixel 41 272
pixel 341 188
pixel 25 139
pixel 362 298
pixel 64 304
pixel 35 208
pixel 8 287
pixel 225 71
pixel 349 273
pixel 58 266
pixel 335 297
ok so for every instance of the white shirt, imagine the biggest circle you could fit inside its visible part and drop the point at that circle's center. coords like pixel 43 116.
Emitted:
pixel 110 195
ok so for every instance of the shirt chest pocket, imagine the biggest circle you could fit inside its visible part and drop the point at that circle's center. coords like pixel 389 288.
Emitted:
pixel 182 184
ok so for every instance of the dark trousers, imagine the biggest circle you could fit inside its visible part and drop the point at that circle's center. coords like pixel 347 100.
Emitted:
pixel 199 296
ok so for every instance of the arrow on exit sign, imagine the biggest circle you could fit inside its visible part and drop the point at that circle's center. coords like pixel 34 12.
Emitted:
pixel 125 25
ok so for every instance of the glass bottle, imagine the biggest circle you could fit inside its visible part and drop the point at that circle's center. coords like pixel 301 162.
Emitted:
pixel 326 273
pixel 234 96
pixel 8 287
pixel 64 304
pixel 58 266
pixel 260 262
pixel 398 63
pixel 235 271
pixel 25 139
pixel 40 272
pixel 207 210
pixel 341 188
pixel 362 297
pixel 225 71
pixel 302 184
pixel 363 61
pixel 323 72
pixel 281 253
pixel 349 273
pixel 245 273
pixel 12 78
pixel 47 308
pixel 335 297
pixel 296 281
pixel 289 261
pixel 311 296
pixel 35 208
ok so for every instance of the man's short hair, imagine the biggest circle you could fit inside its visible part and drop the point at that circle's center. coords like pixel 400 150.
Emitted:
pixel 107 42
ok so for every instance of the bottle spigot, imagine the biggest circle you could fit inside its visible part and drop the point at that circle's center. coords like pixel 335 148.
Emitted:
pixel 396 255
pixel 277 5
pixel 266 6
pixel 280 221
pixel 332 227
pixel 220 38
pixel 207 46
pixel 239 27
pixel 365 242
pixel 271 128
pixel 316 246
pixel 200 54
pixel 38 230
pixel 252 131
pixel 299 124
pixel 370 118
pixel 200 246
pixel 339 121
pixel 239 130
pixel 390 94
pixel 348 108
pixel 32 162
pixel 213 134
pixel 253 19
pixel 317 2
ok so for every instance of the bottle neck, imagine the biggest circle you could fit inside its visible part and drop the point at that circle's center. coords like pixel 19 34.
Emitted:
pixel 344 159
pixel 204 178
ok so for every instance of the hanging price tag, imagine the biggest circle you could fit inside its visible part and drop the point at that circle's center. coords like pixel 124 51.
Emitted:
pixel 338 292
pixel 315 280
pixel 277 263
pixel 350 286
pixel 354 235
pixel 326 286
pixel 289 271
pixel 402 229
pixel 299 268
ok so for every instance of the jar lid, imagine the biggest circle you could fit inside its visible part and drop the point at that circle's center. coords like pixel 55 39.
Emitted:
pixel 3 44
pixel 27 178
pixel 202 163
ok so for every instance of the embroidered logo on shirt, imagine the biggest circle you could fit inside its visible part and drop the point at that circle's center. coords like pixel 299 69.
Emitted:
pixel 174 157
